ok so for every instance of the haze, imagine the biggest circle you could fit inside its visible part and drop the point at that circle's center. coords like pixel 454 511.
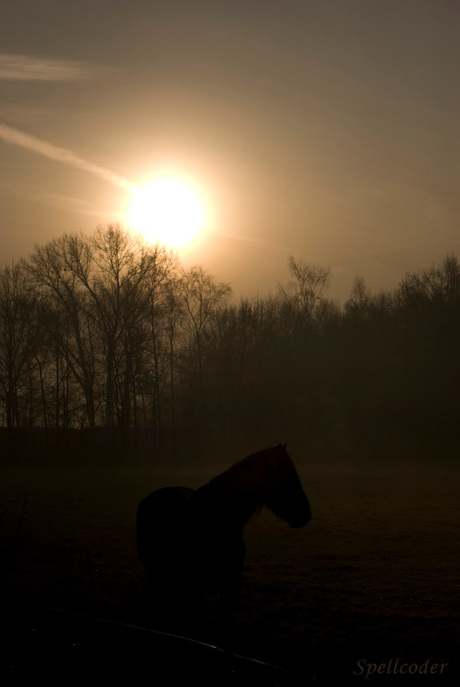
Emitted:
pixel 326 131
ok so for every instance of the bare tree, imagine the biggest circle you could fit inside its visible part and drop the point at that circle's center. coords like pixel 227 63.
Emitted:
pixel 59 268
pixel 17 337
pixel 127 292
pixel 358 304
pixel 164 313
pixel 202 294
pixel 307 285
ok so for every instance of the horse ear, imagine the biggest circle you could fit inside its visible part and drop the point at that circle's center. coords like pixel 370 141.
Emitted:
pixel 282 446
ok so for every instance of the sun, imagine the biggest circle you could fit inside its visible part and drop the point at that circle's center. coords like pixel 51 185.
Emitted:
pixel 167 210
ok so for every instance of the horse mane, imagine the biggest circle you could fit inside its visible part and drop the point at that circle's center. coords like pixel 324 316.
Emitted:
pixel 259 472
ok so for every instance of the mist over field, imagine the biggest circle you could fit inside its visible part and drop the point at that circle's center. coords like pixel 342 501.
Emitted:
pixel 374 576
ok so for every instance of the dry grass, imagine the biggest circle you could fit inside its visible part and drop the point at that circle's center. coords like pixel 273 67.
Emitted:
pixel 375 574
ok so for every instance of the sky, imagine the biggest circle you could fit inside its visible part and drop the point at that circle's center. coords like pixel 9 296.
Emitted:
pixel 322 129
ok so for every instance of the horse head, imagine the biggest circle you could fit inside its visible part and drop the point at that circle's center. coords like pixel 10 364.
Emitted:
pixel 287 498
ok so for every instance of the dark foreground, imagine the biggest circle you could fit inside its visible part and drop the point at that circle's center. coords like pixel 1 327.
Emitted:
pixel 367 593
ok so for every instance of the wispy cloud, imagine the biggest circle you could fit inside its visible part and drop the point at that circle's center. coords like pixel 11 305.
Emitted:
pixel 71 204
pixel 29 68
pixel 60 201
pixel 49 150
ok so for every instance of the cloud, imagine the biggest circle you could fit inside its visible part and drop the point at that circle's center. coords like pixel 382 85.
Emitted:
pixel 49 150
pixel 27 68
pixel 61 202
pixel 69 204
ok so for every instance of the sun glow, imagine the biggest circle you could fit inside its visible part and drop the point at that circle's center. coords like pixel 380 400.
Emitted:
pixel 167 211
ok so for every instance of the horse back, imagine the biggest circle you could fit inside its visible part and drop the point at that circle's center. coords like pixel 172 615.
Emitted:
pixel 160 518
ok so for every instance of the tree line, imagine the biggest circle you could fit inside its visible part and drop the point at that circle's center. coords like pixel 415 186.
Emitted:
pixel 111 337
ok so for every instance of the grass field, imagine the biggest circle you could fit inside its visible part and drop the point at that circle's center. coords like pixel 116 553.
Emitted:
pixel 373 577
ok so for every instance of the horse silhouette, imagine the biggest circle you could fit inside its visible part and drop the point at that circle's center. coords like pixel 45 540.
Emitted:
pixel 191 541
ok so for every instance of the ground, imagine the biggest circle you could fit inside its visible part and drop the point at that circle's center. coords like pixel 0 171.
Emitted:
pixel 373 577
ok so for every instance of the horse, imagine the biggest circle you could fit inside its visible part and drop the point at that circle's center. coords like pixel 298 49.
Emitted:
pixel 191 541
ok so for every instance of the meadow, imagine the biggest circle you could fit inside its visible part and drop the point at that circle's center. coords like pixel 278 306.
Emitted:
pixel 373 577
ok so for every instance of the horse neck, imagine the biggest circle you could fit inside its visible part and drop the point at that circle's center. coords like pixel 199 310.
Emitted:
pixel 232 499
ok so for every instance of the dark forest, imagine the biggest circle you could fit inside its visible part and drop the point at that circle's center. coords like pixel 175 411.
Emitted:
pixel 112 341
